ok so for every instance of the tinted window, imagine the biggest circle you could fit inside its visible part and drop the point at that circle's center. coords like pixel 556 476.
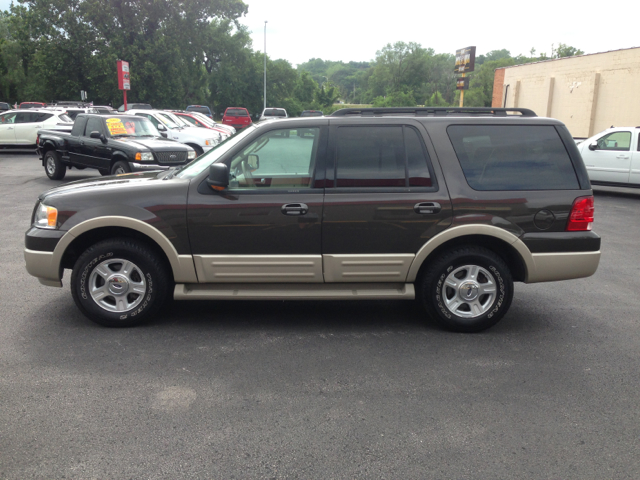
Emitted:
pixel 278 159
pixel 41 117
pixel 236 112
pixel 513 157
pixel 26 117
pixel 93 125
pixel 274 112
pixel 381 157
pixel 204 110
pixel 619 141
pixel 78 126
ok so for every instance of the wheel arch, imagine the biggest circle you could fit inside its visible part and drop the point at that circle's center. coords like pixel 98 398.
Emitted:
pixel 503 243
pixel 85 234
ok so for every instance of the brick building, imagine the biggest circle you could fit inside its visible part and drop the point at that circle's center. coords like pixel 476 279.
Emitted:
pixel 589 93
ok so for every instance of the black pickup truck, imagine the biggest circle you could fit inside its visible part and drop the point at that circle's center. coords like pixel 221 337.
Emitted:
pixel 113 144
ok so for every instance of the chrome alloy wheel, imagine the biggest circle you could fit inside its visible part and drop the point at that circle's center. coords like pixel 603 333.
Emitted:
pixel 469 291
pixel 51 165
pixel 117 285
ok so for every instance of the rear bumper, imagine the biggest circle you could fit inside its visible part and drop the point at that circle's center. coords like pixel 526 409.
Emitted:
pixel 551 267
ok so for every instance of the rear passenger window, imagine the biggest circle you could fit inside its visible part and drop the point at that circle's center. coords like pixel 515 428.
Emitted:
pixel 389 156
pixel 513 157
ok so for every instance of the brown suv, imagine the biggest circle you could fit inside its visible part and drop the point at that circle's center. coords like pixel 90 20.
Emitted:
pixel 447 205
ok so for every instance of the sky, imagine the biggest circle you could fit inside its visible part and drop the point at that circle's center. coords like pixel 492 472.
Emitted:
pixel 298 30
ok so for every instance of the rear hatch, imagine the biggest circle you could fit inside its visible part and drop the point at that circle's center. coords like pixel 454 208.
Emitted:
pixel 236 117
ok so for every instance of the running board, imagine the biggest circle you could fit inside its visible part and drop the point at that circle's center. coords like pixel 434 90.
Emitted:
pixel 282 291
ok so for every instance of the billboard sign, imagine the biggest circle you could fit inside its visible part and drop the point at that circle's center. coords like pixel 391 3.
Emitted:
pixel 462 83
pixel 465 60
pixel 124 80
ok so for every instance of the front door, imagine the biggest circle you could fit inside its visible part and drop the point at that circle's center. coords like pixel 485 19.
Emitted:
pixel 7 128
pixel 94 153
pixel 266 226
pixel 611 160
pixel 382 202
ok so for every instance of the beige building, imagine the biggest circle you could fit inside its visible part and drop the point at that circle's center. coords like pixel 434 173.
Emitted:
pixel 589 93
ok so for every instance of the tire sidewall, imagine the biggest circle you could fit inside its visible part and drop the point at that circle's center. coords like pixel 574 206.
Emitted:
pixel 154 278
pixel 433 291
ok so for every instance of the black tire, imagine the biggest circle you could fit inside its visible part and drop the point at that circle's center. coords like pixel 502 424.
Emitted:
pixel 53 167
pixel 120 167
pixel 451 288
pixel 96 278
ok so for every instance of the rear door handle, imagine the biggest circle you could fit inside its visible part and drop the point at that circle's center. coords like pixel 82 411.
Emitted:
pixel 427 208
pixel 294 209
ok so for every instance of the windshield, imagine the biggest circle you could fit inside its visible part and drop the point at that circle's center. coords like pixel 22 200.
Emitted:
pixel 203 161
pixel 204 119
pixel 183 121
pixel 274 112
pixel 131 127
pixel 170 120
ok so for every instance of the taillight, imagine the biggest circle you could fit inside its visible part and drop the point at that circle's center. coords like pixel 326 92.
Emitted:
pixel 38 139
pixel 581 216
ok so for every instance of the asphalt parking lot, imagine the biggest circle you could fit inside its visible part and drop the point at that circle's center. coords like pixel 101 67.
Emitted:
pixel 321 390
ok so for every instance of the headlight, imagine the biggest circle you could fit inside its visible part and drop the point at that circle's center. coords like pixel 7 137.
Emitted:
pixel 46 217
pixel 191 155
pixel 211 142
pixel 144 156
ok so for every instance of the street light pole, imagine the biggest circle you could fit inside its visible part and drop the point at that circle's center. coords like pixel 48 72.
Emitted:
pixel 265 64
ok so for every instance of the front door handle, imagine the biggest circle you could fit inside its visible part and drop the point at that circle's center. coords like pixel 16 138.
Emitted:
pixel 427 208
pixel 294 209
pixel 623 156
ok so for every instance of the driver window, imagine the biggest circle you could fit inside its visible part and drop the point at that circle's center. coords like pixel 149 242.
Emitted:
pixel 620 141
pixel 282 158
pixel 8 118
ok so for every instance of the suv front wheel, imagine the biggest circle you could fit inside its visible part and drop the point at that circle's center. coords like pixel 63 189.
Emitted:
pixel 119 282
pixel 467 289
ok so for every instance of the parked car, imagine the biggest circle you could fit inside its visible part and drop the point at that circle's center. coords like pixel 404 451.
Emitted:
pixel 273 113
pixel 104 109
pixel 612 157
pixel 135 106
pixel 199 139
pixel 311 113
pixel 19 128
pixel 237 117
pixel 4 107
pixel 112 144
pixel 450 206
pixel 32 105
pixel 201 109
pixel 200 120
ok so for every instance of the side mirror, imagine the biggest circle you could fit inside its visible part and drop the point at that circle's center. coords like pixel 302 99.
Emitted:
pixel 253 162
pixel 96 134
pixel 161 128
pixel 593 146
pixel 218 178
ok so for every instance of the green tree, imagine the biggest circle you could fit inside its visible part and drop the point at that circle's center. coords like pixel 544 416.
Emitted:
pixel 564 50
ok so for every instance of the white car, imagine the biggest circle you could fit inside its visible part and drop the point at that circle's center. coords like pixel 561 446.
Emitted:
pixel 612 157
pixel 19 128
pixel 200 139
pixel 273 114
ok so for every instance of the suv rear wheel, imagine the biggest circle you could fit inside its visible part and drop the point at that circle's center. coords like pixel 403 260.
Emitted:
pixel 119 282
pixel 467 289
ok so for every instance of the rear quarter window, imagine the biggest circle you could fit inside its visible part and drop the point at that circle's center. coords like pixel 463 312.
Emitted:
pixel 513 157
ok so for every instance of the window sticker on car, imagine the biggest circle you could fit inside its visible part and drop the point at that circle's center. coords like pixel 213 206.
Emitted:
pixel 115 126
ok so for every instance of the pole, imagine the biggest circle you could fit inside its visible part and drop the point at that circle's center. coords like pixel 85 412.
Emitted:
pixel 125 99
pixel 462 93
pixel 265 64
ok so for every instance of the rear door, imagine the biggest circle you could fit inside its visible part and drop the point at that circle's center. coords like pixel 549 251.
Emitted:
pixel 266 226
pixel 383 200
pixel 611 160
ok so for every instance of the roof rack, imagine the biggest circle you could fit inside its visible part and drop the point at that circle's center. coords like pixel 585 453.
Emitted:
pixel 432 111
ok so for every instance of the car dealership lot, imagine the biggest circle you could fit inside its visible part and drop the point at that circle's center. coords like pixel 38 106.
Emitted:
pixel 321 390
